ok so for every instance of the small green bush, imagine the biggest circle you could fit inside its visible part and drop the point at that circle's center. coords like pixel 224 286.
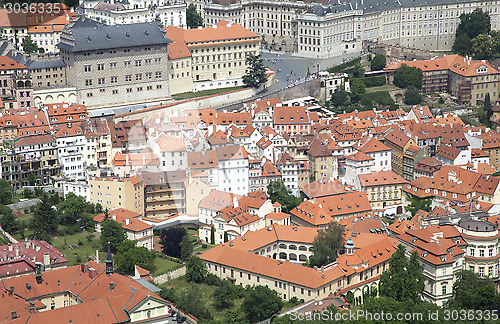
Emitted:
pixel 374 81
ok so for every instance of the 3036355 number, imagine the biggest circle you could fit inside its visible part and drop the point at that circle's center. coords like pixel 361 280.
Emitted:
pixel 15 8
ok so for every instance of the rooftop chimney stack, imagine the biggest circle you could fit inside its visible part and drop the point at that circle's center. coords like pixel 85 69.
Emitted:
pixel 46 259
pixel 111 286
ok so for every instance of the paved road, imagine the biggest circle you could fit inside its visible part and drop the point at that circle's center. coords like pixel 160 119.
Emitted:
pixel 291 68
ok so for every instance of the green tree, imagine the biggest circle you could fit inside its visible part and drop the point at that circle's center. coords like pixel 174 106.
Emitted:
pixel 31 179
pixel 8 221
pixel 224 295
pixel 261 303
pixel 407 76
pixel 170 240
pixel 470 291
pixel 278 192
pixel 28 193
pixel 72 3
pixel 112 232
pixel 212 235
pixel 412 96
pixel 193 18
pixel 45 221
pixel 327 244
pixel 483 47
pixel 417 203
pixel 186 247
pixel 378 62
pixel 6 192
pixel 129 254
pixel 403 281
pixel 191 301
pixel 29 46
pixel 255 74
pixel 487 108
pixel 471 25
pixel 357 89
pixel 74 211
pixel 195 270
pixel 339 97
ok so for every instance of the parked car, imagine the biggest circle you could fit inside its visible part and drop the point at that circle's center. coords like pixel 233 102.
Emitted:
pixel 181 319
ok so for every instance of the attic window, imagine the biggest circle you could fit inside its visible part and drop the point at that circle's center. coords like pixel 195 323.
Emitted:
pixel 424 254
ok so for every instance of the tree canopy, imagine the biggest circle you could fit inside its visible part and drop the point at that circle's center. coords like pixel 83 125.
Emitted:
pixel 339 97
pixel 261 303
pixel 8 221
pixel 129 254
pixel 29 46
pixel 378 62
pixel 186 247
pixel 327 245
pixel 170 240
pixel 470 291
pixel 193 18
pixel 412 96
pixel 255 73
pixel 44 222
pixel 6 192
pixel 403 281
pixel 278 192
pixel 470 26
pixel 112 232
pixel 407 76
pixel 417 203
pixel 357 89
pixel 195 269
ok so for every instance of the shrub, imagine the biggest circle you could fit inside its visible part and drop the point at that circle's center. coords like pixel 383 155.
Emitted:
pixel 212 280
pixel 374 81
pixel 343 66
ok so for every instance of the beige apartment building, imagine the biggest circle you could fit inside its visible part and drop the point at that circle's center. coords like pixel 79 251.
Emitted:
pixel 218 52
pixel 164 193
pixel 114 193
pixel 119 64
pixel 98 149
pixel 383 188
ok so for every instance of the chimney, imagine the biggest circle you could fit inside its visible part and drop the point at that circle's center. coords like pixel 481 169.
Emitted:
pixel 11 290
pixel 4 254
pixel 13 314
pixel 37 248
pixel 127 221
pixel 46 259
pixel 111 286
pixel 17 251
pixel 235 202
pixel 10 248
pixel 28 244
pixel 113 217
pixel 32 307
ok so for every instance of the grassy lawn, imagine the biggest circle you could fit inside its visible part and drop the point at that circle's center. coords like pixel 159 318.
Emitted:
pixel 26 217
pixel 188 95
pixel 206 291
pixel 164 266
pixel 85 250
pixel 200 248
pixel 387 87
